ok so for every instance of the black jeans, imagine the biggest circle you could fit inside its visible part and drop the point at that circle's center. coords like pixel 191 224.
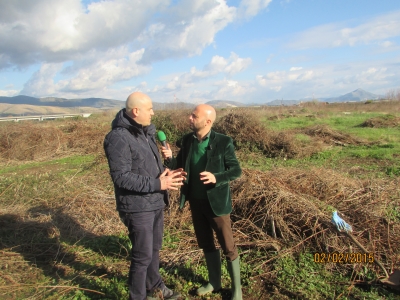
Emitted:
pixel 146 233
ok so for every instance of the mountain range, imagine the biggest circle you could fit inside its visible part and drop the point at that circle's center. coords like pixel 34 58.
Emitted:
pixel 27 105
pixel 356 95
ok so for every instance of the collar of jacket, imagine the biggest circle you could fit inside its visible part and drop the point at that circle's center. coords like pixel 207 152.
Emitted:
pixel 211 143
pixel 136 128
pixel 207 136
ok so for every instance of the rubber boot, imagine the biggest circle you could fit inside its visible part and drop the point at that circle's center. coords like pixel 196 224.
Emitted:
pixel 213 262
pixel 234 272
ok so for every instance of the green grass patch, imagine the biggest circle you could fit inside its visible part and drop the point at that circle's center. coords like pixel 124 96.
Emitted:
pixel 292 123
pixel 303 138
pixel 303 278
pixel 66 164
pixel 343 123
pixel 109 245
pixel 381 135
pixel 337 121
pixel 376 152
pixel 375 161
pixel 87 265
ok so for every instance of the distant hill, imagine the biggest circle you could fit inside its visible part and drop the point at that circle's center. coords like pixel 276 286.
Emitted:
pixel 30 105
pixel 54 104
pixel 283 102
pixel 174 105
pixel 62 102
pixel 225 103
pixel 99 103
pixel 26 105
pixel 357 95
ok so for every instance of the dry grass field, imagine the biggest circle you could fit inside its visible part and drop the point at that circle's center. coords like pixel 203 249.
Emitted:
pixel 61 238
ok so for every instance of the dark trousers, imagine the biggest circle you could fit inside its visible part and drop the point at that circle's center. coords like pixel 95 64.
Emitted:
pixel 146 233
pixel 205 222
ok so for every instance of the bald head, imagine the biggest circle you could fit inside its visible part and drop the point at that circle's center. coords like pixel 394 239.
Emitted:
pixel 207 111
pixel 140 108
pixel 201 119
pixel 135 100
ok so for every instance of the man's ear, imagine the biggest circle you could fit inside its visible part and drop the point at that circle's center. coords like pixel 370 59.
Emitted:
pixel 135 112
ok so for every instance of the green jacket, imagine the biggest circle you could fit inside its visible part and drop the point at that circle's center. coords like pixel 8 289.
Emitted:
pixel 221 161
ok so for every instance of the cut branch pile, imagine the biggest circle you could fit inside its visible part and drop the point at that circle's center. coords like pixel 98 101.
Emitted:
pixel 296 206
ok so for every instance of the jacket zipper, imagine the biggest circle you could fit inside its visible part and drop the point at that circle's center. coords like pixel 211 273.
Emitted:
pixel 155 159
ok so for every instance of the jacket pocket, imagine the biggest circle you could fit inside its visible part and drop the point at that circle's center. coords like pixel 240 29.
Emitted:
pixel 215 164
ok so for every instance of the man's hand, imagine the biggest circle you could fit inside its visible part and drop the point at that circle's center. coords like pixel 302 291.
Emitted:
pixel 171 180
pixel 207 177
pixel 166 151
pixel 183 173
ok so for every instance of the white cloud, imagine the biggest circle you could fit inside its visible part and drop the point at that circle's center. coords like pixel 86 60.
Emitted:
pixel 250 8
pixel 228 89
pixel 199 86
pixel 328 80
pixel 269 58
pixel 261 80
pixel 276 88
pixel 237 64
pixel 386 44
pixel 41 82
pixel 306 76
pixel 114 66
pixel 277 80
pixel 234 64
pixel 366 77
pixel 377 29
pixel 110 41
pixel 54 31
pixel 218 65
pixel 8 93
pixel 93 74
pixel 187 30
pixel 94 50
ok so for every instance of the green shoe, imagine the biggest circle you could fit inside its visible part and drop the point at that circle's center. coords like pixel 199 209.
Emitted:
pixel 234 272
pixel 213 262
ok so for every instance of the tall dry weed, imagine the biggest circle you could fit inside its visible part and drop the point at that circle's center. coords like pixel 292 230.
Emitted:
pixel 248 133
pixel 30 141
pixel 300 204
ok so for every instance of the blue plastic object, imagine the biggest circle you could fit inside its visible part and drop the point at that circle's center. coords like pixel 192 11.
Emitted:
pixel 340 224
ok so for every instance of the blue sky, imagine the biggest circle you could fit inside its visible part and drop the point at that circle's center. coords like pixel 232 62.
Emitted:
pixel 251 51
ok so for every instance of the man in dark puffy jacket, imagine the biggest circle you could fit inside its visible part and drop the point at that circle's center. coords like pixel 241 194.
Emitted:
pixel 140 184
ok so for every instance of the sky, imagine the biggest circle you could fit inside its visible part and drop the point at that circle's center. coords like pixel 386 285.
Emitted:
pixel 250 51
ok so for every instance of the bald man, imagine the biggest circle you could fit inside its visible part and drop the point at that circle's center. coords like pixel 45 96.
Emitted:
pixel 209 159
pixel 140 184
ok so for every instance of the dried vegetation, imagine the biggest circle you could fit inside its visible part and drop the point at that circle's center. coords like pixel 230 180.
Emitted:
pixel 284 210
pixel 386 121
pixel 33 141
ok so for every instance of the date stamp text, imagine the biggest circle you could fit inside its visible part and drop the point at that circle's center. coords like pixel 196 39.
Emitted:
pixel 343 258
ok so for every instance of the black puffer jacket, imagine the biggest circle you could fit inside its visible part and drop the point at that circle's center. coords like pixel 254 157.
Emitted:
pixel 135 165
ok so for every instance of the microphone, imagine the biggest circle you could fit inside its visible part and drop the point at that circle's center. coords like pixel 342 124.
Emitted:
pixel 163 140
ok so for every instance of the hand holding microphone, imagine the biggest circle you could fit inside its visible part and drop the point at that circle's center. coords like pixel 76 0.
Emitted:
pixel 166 150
